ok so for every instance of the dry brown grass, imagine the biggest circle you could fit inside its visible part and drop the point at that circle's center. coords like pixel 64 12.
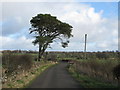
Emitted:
pixel 22 78
pixel 101 69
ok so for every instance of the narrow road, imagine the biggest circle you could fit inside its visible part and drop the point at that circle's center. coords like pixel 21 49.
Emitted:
pixel 55 77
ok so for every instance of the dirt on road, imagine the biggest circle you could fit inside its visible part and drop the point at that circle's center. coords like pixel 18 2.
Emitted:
pixel 55 77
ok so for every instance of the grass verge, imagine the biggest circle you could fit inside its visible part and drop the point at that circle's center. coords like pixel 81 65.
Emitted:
pixel 24 79
pixel 39 71
pixel 88 82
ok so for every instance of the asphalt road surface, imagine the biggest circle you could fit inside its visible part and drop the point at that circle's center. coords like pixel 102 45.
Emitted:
pixel 55 77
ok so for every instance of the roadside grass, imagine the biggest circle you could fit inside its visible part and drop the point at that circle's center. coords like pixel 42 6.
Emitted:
pixel 36 74
pixel 26 78
pixel 89 82
pixel 39 71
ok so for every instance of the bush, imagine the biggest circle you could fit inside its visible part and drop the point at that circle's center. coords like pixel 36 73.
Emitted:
pixel 101 69
pixel 12 62
pixel 51 57
pixel 116 71
pixel 25 61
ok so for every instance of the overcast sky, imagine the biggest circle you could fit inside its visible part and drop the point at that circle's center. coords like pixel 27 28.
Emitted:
pixel 97 19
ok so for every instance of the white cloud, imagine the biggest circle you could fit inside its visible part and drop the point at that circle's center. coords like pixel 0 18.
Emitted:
pixel 17 43
pixel 102 32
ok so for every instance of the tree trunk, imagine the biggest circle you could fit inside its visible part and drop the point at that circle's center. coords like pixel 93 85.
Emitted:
pixel 41 50
pixel 118 82
pixel 39 54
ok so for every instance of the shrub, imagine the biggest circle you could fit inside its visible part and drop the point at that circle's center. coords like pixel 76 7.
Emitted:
pixel 116 71
pixel 12 62
pixel 101 69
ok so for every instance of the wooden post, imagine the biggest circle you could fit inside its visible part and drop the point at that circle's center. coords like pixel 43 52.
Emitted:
pixel 85 45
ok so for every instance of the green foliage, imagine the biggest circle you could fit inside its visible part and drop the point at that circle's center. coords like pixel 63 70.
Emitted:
pixel 48 28
pixel 10 85
pixel 65 44
pixel 20 81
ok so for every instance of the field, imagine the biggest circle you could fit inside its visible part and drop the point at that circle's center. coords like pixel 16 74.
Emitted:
pixel 21 66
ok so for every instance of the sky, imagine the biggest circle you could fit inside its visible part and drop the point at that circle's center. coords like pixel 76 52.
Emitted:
pixel 99 20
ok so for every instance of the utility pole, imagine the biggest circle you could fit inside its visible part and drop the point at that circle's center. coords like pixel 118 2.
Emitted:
pixel 85 45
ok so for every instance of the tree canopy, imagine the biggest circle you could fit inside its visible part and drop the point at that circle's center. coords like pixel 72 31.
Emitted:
pixel 47 28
